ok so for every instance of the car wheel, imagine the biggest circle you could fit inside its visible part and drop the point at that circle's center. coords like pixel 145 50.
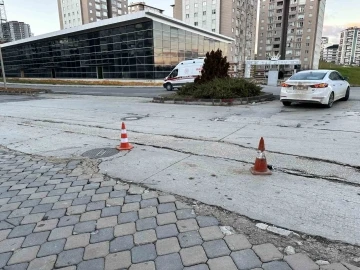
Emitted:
pixel 286 103
pixel 331 100
pixel 347 95
pixel 169 87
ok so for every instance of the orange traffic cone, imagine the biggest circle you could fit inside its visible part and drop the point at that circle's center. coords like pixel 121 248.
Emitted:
pixel 124 145
pixel 260 167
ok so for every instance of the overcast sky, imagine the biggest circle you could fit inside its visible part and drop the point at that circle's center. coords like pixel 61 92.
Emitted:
pixel 42 15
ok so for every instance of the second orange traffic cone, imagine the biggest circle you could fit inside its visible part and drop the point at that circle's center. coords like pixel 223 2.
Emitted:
pixel 260 167
pixel 124 145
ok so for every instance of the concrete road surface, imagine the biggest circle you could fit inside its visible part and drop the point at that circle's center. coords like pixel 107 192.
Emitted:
pixel 205 153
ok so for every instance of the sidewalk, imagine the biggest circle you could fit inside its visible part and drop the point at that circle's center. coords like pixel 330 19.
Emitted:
pixel 62 214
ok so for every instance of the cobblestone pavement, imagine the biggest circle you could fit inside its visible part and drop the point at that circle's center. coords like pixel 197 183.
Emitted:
pixel 60 214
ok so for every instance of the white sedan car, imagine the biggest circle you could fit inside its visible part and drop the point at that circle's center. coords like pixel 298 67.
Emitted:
pixel 315 86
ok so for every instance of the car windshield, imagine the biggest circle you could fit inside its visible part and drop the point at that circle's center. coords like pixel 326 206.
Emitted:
pixel 308 76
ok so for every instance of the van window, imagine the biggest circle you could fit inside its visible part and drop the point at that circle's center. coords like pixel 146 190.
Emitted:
pixel 174 73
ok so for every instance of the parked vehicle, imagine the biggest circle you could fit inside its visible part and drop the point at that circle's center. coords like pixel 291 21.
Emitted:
pixel 185 72
pixel 315 86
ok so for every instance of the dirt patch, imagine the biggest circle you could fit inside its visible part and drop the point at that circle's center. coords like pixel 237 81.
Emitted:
pixel 23 91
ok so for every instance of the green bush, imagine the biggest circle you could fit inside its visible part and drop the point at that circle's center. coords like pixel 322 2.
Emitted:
pixel 221 89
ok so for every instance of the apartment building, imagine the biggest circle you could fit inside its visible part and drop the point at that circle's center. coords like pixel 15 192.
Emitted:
pixel 330 53
pixel 324 44
pixel 292 29
pixel 15 30
pixel 349 47
pixel 78 12
pixel 142 6
pixel 232 18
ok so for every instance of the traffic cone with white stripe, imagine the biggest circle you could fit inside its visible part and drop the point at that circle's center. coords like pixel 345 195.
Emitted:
pixel 124 145
pixel 261 167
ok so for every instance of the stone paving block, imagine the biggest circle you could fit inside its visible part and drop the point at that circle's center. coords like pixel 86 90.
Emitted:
pixel 22 230
pixel 187 225
pixel 106 222
pixel 97 250
pixel 53 182
pixel 167 246
pixel 166 199
pixel 100 197
pixel 211 233
pixel 149 195
pixel 95 206
pixel 60 233
pixel 62 204
pixel 42 208
pixel 75 210
pixel 57 213
pixel 38 195
pixel 149 203
pixel 79 183
pixel 170 261
pixel 128 217
pixel 19 198
pixel 45 263
pixel 276 265
pixel 222 263
pixel 11 244
pixel 300 261
pixel 14 221
pixel 4 215
pixel 85 227
pixel 143 266
pixel 104 190
pixel 69 220
pixel 20 212
pixel 95 264
pixel 122 243
pixel 9 207
pixel 185 213
pixel 51 248
pixel 108 183
pixel 69 257
pixel 101 235
pixel 129 207
pixel 146 224
pixel 118 194
pixel 62 186
pixel 5 200
pixel 52 199
pixel 92 215
pixel 237 242
pixel 35 239
pixel 333 266
pixel 46 188
pixel 136 190
pixel 144 237
pixel 69 196
pixel 148 212
pixel 77 241
pixel 166 208
pixel 166 231
pixel 24 255
pixel 110 211
pixel 119 260
pixel 74 189
pixel 4 234
pixel 58 192
pixel 81 201
pixel 267 252
pixel 167 218
pixel 18 187
pixel 87 193
pixel 4 258
pixel 189 239
pixel 46 225
pixel 143 253
pixel 246 259
pixel 193 255
pixel 114 201
pixel 124 229
pixel 9 194
pixel 216 248
pixel 20 266
pixel 207 221
pixel 132 198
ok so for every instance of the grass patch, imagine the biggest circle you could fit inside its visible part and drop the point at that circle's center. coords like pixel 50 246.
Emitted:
pixel 353 73
pixel 81 82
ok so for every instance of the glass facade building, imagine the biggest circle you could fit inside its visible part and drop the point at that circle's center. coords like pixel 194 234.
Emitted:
pixel 142 45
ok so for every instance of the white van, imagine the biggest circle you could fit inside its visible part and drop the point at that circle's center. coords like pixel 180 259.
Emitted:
pixel 184 72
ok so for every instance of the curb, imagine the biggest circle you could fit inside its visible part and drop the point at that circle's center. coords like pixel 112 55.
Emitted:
pixel 84 85
pixel 215 102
